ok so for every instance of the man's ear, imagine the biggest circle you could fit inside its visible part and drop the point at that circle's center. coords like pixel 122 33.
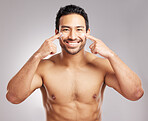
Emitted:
pixel 56 31
pixel 88 31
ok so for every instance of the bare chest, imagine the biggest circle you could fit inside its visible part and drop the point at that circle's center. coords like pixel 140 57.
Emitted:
pixel 63 86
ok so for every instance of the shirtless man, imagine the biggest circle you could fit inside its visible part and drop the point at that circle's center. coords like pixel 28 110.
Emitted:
pixel 72 82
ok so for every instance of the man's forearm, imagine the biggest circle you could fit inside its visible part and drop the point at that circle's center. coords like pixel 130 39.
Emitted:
pixel 19 85
pixel 128 80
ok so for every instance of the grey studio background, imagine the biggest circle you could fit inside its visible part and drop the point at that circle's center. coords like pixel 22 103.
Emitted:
pixel 121 24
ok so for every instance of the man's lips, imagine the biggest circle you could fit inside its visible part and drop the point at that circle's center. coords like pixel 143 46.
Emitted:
pixel 74 43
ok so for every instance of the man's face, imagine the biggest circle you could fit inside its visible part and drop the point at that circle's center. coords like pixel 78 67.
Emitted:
pixel 73 30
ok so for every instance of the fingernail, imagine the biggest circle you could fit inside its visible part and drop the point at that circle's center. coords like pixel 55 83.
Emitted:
pixel 61 34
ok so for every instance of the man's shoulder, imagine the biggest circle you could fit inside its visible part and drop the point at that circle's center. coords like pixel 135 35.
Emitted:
pixel 95 59
pixel 99 62
pixel 49 62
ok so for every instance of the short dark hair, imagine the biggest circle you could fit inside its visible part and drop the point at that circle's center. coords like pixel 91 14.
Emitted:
pixel 69 9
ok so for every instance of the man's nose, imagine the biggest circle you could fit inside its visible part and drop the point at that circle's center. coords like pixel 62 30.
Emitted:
pixel 72 35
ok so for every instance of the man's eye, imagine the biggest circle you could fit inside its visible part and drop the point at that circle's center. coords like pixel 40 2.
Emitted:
pixel 65 29
pixel 79 30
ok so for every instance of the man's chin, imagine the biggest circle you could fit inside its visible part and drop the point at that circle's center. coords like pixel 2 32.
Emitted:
pixel 72 52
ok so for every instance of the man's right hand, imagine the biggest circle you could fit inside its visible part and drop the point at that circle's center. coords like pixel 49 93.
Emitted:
pixel 48 47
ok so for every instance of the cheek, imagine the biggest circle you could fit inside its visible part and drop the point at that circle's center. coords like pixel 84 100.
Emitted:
pixel 83 36
pixel 63 37
pixel 60 40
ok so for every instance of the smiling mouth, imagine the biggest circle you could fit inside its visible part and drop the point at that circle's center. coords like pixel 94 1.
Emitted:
pixel 72 42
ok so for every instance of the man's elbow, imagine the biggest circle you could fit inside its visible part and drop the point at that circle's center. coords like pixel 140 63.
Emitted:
pixel 138 94
pixel 13 99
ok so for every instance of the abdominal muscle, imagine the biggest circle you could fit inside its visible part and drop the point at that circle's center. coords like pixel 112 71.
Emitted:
pixel 72 111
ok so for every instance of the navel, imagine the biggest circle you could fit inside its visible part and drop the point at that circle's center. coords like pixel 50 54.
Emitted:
pixel 53 97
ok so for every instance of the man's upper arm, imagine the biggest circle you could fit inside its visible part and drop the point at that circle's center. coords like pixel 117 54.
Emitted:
pixel 37 79
pixel 111 79
pixel 36 82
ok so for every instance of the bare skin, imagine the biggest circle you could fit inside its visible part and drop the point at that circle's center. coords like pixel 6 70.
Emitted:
pixel 72 82
pixel 73 93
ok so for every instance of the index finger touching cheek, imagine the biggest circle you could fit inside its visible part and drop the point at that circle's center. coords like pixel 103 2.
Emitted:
pixel 55 37
pixel 91 38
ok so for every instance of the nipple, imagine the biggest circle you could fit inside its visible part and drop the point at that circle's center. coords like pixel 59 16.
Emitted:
pixel 53 97
pixel 94 96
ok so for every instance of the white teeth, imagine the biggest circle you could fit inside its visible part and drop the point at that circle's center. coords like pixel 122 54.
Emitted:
pixel 73 43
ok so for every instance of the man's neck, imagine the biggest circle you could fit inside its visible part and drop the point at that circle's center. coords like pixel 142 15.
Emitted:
pixel 70 60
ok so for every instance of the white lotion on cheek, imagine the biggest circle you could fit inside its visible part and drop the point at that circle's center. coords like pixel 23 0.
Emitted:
pixel 61 34
pixel 83 34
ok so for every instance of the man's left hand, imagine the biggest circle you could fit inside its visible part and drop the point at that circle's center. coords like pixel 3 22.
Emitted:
pixel 98 47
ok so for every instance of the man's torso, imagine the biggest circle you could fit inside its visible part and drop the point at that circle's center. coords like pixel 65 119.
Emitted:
pixel 73 94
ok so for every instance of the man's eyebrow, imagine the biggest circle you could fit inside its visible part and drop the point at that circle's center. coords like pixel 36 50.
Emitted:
pixel 70 27
pixel 80 26
pixel 65 27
